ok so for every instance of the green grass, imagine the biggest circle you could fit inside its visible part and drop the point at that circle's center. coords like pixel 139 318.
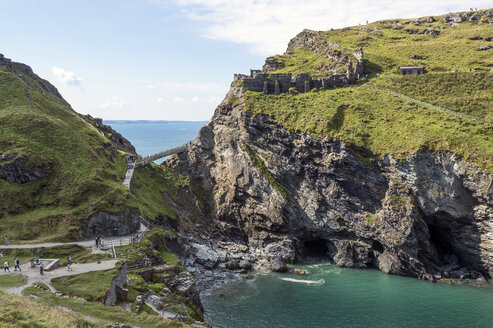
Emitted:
pixel 91 286
pixel 380 122
pixel 18 311
pixel 468 93
pixel 99 313
pixel 12 280
pixel 86 176
pixel 390 48
pixel 149 183
pixel 304 61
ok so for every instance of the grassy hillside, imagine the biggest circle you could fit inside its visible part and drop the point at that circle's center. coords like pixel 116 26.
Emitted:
pixel 84 171
pixel 387 124
pixel 386 48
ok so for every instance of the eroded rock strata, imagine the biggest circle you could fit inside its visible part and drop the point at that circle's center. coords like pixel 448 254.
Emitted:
pixel 266 197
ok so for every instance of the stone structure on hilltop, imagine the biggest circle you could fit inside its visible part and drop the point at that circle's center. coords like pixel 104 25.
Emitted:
pixel 340 58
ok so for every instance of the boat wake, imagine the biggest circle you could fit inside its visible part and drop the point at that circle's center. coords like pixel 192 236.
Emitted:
pixel 309 282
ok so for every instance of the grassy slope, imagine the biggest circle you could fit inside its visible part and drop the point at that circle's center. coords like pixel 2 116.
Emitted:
pixel 385 124
pixel 99 313
pixel 390 48
pixel 91 286
pixel 87 177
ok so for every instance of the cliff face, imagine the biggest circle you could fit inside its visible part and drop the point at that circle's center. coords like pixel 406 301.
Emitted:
pixel 279 197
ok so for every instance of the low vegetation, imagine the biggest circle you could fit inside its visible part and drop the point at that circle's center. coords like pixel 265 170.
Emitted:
pixel 12 280
pixel 378 121
pixel 91 286
pixel 98 313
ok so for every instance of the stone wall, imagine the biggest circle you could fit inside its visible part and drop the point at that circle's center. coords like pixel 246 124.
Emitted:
pixel 117 290
pixel 281 83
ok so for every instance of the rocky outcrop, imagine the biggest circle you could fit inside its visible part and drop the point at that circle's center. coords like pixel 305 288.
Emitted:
pixel 108 224
pixel 18 169
pixel 277 197
pixel 342 59
pixel 116 138
pixel 117 290
pixel 177 281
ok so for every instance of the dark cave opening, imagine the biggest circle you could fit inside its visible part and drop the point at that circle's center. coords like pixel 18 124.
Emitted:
pixel 315 248
pixel 440 237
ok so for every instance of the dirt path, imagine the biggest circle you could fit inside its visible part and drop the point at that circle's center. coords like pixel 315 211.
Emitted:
pixel 33 275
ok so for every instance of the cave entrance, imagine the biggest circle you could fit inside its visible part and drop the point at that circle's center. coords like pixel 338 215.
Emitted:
pixel 315 248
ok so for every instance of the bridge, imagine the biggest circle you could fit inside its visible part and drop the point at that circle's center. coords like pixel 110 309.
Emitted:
pixel 142 161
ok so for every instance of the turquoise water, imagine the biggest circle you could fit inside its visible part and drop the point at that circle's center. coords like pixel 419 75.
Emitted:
pixel 329 296
pixel 335 297
pixel 153 137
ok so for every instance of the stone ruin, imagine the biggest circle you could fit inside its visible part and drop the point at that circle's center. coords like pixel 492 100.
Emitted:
pixel 277 83
pixel 268 82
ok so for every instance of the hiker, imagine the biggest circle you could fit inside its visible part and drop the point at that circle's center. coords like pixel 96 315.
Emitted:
pixel 97 242
pixel 41 269
pixel 69 263
pixel 6 266
pixel 6 241
pixel 16 264
pixel 366 76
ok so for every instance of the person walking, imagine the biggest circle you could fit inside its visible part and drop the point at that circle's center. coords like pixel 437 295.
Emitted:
pixel 16 264
pixel 6 266
pixel 69 263
pixel 6 241
pixel 41 269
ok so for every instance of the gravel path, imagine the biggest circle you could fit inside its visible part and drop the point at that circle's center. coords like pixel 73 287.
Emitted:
pixel 33 275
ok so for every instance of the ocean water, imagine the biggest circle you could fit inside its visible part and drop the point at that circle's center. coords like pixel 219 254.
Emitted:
pixel 150 137
pixel 329 296
pixel 337 297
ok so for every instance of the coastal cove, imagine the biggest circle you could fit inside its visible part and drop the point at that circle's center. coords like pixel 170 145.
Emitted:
pixel 331 296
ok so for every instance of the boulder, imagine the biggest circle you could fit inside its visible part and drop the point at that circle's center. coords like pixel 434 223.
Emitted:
pixel 277 265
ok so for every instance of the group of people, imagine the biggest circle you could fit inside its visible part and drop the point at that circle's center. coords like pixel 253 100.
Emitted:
pixel 134 239
pixel 6 264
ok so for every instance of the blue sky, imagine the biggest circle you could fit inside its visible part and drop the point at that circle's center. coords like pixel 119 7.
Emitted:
pixel 170 59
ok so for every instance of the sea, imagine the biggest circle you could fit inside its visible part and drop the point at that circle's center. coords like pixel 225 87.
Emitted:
pixel 328 296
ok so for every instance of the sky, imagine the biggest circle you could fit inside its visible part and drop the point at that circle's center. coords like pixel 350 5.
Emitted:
pixel 171 59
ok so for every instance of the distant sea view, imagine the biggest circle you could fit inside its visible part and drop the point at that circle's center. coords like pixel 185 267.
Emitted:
pixel 149 137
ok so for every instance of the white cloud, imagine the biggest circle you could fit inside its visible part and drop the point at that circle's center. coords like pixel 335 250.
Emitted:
pixel 177 99
pixel 266 26
pixel 195 99
pixel 159 100
pixel 114 103
pixel 66 77
pixel 150 86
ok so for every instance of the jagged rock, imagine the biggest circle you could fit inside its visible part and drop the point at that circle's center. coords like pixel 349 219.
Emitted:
pixel 416 57
pixel 431 19
pixel 453 19
pixel 116 138
pixel 483 48
pixel 300 271
pixel 21 171
pixel 278 265
pixel 233 265
pixel 245 265
pixel 399 216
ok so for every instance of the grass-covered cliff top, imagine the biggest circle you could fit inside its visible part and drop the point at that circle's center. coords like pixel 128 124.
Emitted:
pixel 386 124
pixel 82 170
pixel 368 115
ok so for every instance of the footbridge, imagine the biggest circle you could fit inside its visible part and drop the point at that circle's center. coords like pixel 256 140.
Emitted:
pixel 142 161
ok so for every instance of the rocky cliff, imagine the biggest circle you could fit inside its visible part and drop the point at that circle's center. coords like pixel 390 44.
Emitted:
pixel 277 197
